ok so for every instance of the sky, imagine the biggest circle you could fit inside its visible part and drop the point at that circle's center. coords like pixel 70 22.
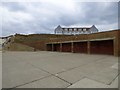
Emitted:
pixel 45 16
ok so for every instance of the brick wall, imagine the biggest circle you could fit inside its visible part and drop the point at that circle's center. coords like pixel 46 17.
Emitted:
pixel 39 41
pixel 115 35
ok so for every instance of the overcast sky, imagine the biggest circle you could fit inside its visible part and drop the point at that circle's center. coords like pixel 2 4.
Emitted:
pixel 44 17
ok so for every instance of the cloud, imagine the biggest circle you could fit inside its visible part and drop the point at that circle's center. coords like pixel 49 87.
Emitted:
pixel 44 17
pixel 13 6
pixel 102 13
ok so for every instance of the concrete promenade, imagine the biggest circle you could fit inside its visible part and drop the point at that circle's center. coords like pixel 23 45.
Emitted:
pixel 58 70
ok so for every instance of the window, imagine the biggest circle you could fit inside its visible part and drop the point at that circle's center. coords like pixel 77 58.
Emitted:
pixel 75 29
pixel 70 29
pixel 66 29
pixel 84 29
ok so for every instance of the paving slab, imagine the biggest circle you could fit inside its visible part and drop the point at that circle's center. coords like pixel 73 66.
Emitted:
pixel 16 72
pixel 95 70
pixel 115 66
pixel 99 65
pixel 105 76
pixel 20 68
pixel 99 70
pixel 49 82
pixel 114 84
pixel 88 83
pixel 72 76
pixel 63 61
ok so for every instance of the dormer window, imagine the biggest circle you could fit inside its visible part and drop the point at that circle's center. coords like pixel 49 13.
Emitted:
pixel 75 29
pixel 84 29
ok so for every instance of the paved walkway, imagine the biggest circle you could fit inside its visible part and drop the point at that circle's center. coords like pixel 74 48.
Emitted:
pixel 58 70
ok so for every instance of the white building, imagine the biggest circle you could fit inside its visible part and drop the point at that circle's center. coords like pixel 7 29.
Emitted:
pixel 76 30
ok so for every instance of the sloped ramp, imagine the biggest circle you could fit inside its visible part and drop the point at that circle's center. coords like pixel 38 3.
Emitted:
pixel 17 47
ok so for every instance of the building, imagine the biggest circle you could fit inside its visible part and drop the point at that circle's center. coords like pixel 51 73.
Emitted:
pixel 106 43
pixel 76 30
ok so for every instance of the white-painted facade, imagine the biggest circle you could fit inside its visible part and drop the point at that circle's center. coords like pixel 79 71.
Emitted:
pixel 75 31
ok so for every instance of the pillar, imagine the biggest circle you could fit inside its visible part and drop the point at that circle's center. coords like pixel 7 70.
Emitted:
pixel 72 47
pixel 60 47
pixel 88 47
pixel 52 47
pixel 115 46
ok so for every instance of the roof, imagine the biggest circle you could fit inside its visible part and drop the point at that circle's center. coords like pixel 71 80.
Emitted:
pixel 77 28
